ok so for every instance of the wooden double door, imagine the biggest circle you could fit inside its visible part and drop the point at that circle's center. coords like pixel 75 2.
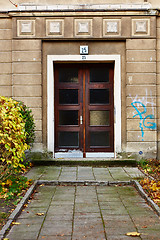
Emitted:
pixel 84 107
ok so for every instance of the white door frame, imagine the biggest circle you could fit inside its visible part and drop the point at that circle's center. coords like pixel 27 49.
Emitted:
pixel 51 59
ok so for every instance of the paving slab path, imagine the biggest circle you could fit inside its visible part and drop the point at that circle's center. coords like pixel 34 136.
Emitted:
pixel 85 212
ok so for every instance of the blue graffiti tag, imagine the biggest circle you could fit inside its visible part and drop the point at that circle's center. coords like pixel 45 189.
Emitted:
pixel 143 124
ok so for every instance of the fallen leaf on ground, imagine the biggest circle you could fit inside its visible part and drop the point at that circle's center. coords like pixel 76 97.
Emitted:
pixel 40 214
pixel 16 223
pixel 133 234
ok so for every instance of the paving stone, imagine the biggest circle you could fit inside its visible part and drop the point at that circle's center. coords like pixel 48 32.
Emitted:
pixel 107 190
pixel 106 198
pixel 60 210
pixel 61 203
pixel 133 172
pixel 57 224
pixel 65 229
pixel 88 207
pixel 114 211
pixel 26 227
pixel 57 217
pixel 26 235
pixel 35 172
pixel 116 208
pixel 81 220
pixel 118 174
pixel 102 174
pixel 53 237
pixel 30 221
pixel 119 231
pixel 32 212
pixel 121 237
pixel 39 203
pixel 119 223
pixel 89 232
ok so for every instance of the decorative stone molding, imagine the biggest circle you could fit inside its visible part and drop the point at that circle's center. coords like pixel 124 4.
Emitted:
pixel 83 27
pixel 140 27
pixel 55 27
pixel 26 28
pixel 111 27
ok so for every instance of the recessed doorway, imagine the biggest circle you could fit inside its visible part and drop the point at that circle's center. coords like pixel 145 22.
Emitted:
pixel 53 138
pixel 84 107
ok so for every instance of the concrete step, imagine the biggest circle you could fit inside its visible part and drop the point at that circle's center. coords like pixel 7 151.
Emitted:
pixel 85 162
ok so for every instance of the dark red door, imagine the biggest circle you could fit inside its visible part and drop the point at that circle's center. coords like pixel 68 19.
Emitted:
pixel 84 107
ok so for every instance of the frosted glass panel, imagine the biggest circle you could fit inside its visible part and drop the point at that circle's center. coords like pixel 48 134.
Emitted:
pixel 99 118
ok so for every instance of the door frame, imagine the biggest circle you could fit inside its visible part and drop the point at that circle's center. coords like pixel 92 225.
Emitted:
pixel 51 59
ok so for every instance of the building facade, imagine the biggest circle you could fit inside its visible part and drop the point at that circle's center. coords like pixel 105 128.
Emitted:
pixel 89 70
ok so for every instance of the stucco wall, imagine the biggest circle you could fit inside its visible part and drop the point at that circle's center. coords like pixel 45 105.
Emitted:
pixel 26 78
pixel 141 88
pixel 6 57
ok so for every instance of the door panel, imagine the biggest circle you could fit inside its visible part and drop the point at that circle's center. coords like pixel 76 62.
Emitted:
pixel 84 107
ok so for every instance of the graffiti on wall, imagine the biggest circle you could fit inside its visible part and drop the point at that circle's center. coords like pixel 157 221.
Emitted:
pixel 147 100
pixel 141 111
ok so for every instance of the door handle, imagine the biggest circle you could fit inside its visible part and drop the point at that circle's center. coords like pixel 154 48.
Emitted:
pixel 81 120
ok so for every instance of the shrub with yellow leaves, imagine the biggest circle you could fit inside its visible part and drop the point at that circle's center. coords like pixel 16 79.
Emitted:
pixel 12 133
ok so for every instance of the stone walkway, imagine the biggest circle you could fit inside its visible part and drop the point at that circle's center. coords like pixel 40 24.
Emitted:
pixel 85 212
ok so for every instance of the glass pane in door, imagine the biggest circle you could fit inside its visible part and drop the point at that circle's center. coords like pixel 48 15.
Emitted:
pixel 68 117
pixel 99 74
pixel 68 96
pixel 99 118
pixel 69 75
pixel 99 139
pixel 99 96
pixel 68 139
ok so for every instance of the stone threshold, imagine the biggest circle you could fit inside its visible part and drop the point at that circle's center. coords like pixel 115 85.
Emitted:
pixel 118 162
pixel 20 206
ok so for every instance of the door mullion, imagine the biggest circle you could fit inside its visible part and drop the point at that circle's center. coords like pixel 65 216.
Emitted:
pixel 84 113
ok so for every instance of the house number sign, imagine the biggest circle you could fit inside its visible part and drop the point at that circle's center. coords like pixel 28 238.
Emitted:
pixel 84 50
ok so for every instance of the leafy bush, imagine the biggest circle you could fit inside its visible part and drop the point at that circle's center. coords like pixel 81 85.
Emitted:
pixel 16 136
pixel 12 133
pixel 29 123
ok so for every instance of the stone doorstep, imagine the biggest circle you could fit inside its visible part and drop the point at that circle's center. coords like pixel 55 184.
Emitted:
pixel 20 206
pixel 90 162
